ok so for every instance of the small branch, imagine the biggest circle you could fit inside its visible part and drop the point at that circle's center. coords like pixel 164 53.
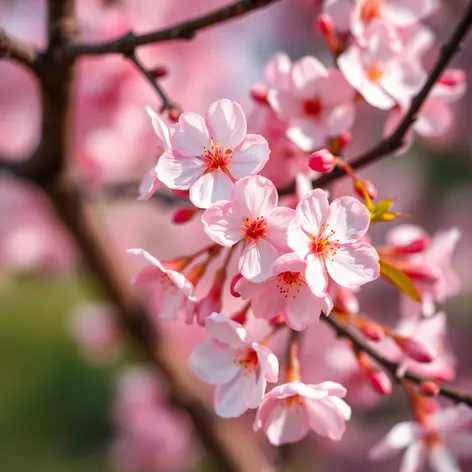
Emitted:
pixel 395 140
pixel 167 104
pixel 17 50
pixel 185 30
pixel 391 367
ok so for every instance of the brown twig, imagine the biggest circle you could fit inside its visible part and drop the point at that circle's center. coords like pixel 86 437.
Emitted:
pixel 17 50
pixel 395 140
pixel 391 367
pixel 185 30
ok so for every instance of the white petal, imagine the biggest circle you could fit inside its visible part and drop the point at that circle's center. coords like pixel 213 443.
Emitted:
pixel 231 399
pixel 414 458
pixel 257 260
pixel 226 331
pixel 221 226
pixel 178 172
pixel 211 188
pixel 213 363
pixel 277 226
pixel 287 425
pixel 249 157
pixel 160 128
pixel 190 135
pixel 298 240
pixel 313 210
pixel 309 135
pixel 315 275
pixel 399 437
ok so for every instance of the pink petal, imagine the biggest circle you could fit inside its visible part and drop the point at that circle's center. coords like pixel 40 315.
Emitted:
pixel 404 235
pixel 340 11
pixel 269 364
pixel 296 388
pixel 149 184
pixel 257 393
pixel 225 330
pixel 160 128
pixel 231 399
pixel 286 425
pixel 434 119
pixel 226 123
pixel 353 265
pixel 336 90
pixel 267 302
pixel 213 363
pixel 452 418
pixel 307 134
pixel 312 211
pixel 210 188
pixel 144 257
pixel 333 388
pixel 414 458
pixel 405 13
pixel 304 309
pixel 254 196
pixel 246 289
pixel 286 105
pixel 315 275
pixel 307 70
pixel 221 226
pixel 349 218
pixel 340 119
pixel 249 157
pixel 298 240
pixel 325 419
pixel 400 436
pixel 190 135
pixel 257 260
pixel 277 227
pixel 442 460
pixel 178 172
pixel 289 263
pixel 277 70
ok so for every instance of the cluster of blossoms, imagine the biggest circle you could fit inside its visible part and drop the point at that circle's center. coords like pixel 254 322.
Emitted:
pixel 310 255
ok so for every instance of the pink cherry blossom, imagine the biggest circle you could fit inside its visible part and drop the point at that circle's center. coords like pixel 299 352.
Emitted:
pixel 289 411
pixel 340 11
pixel 399 13
pixel 251 215
pixel 238 366
pixel 171 290
pixel 209 154
pixel 328 237
pixel 150 182
pixel 318 104
pixel 285 292
pixel 435 442
pixel 379 71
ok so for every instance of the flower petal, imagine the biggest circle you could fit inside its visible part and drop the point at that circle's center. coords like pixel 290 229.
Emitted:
pixel 178 172
pixel 210 188
pixel 307 134
pixel 298 240
pixel 149 184
pixel 225 330
pixel 269 364
pixel 325 419
pixel 414 458
pixel 267 302
pixel 313 210
pixel 213 363
pixel 226 123
pixel 399 437
pixel 249 157
pixel 286 425
pixel 220 225
pixel 353 265
pixel 190 135
pixel 349 218
pixel 231 399
pixel 277 226
pixel 315 275
pixel 257 260
pixel 160 128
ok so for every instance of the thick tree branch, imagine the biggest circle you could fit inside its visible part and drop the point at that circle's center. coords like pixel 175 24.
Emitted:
pixel 395 140
pixel 392 367
pixel 17 50
pixel 186 30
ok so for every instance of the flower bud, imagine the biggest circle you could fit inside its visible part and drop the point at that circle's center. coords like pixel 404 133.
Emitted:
pixel 232 290
pixel 368 186
pixel 159 72
pixel 345 139
pixel 322 161
pixel 380 381
pixel 452 78
pixel 346 301
pixel 371 330
pixel 416 349
pixel 429 389
pixel 324 24
pixel 259 93
pixel 174 114
pixel 182 215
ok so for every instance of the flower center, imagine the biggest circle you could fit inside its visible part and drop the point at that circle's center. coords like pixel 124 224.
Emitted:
pixel 289 280
pixel 247 358
pixel 323 243
pixel 374 73
pixel 294 402
pixel 216 157
pixel 312 107
pixel 371 10
pixel 254 230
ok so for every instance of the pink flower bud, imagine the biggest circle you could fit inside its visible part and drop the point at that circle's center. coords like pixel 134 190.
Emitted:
pixel 324 24
pixel 322 161
pixel 346 301
pixel 372 330
pixel 182 215
pixel 416 349
pixel 345 139
pixel 159 72
pixel 429 389
pixel 259 93
pixel 368 186
pixel 418 245
pixel 452 77
pixel 446 374
pixel 173 115
pixel 381 382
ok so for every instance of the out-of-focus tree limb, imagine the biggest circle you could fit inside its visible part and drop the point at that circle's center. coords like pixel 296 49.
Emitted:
pixel 393 368
pixel 185 30
pixel 18 50
pixel 395 140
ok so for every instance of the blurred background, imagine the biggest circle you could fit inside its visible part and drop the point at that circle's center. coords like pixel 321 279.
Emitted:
pixel 68 383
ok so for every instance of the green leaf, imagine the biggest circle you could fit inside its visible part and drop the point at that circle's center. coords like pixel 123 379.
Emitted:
pixel 400 280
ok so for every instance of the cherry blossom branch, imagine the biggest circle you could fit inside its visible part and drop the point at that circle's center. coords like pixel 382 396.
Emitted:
pixel 395 140
pixel 17 50
pixel 185 30
pixel 393 368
